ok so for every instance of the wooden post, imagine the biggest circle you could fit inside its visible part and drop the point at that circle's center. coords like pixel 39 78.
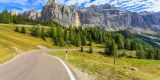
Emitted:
pixel 114 59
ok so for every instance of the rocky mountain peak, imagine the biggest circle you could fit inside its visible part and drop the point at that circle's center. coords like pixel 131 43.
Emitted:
pixel 106 16
pixel 59 13
pixel 49 2
pixel 32 14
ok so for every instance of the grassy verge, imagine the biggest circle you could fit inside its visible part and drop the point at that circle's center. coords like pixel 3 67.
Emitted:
pixel 12 43
pixel 102 68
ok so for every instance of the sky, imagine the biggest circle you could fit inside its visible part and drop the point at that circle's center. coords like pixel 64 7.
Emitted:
pixel 132 5
pixel 21 5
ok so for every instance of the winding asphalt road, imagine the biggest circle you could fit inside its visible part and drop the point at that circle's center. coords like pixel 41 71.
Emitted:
pixel 35 65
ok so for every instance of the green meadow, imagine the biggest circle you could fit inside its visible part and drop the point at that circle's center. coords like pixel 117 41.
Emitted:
pixel 96 65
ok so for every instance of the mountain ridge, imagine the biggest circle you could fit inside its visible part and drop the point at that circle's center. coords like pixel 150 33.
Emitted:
pixel 104 16
pixel 130 5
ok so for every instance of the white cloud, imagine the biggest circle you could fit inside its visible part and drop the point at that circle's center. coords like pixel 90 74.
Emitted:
pixel 76 2
pixel 133 5
pixel 60 1
pixel 97 2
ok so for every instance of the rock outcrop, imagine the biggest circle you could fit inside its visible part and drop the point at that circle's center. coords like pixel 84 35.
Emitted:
pixel 112 18
pixel 32 14
pixel 62 14
pixel 105 16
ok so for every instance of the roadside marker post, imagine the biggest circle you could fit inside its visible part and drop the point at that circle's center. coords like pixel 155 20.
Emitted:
pixel 67 55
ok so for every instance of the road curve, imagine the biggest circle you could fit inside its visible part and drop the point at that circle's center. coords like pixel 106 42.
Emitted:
pixel 35 65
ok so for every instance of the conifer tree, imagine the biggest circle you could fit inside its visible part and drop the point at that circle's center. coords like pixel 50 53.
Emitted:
pixel 6 17
pixel 100 38
pixel 43 34
pixel 61 41
pixel 148 54
pixel 120 42
pixel 127 44
pixel 53 32
pixel 115 52
pixel 140 52
pixel 60 37
pixel 133 45
pixel 158 55
pixel 82 50
pixel 23 30
pixel 83 40
pixel 114 48
pixel 91 50
pixel 15 19
pixel 55 40
pixel 17 29
pixel 37 31
pixel 66 35
pixel 33 31
pixel 54 36
pixel 71 36
pixel 106 52
pixel 78 40
pixel 90 40
pixel 111 47
pixel 48 33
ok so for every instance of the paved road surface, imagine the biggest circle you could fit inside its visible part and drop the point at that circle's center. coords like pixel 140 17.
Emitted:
pixel 35 66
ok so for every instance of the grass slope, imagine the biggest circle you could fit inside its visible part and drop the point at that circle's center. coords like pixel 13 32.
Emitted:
pixel 12 43
pixel 102 68
pixel 96 64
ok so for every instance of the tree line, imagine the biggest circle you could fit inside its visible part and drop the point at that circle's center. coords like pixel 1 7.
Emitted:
pixel 7 18
pixel 80 36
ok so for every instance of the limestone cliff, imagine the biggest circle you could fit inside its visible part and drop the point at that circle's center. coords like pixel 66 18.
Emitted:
pixel 32 14
pixel 105 16
pixel 62 14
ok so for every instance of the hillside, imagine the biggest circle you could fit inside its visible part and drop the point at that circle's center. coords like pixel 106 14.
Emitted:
pixel 80 40
pixel 12 43
pixel 88 66
pixel 96 66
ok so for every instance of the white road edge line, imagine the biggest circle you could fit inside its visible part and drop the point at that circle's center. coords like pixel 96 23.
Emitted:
pixel 66 67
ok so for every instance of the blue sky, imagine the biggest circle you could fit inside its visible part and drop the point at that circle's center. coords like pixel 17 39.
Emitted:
pixel 132 5
pixel 21 5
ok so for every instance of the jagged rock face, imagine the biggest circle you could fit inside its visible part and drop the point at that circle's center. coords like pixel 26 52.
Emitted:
pixel 49 2
pixel 62 14
pixel 145 20
pixel 105 16
pixel 33 14
pixel 112 18
pixel 152 18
